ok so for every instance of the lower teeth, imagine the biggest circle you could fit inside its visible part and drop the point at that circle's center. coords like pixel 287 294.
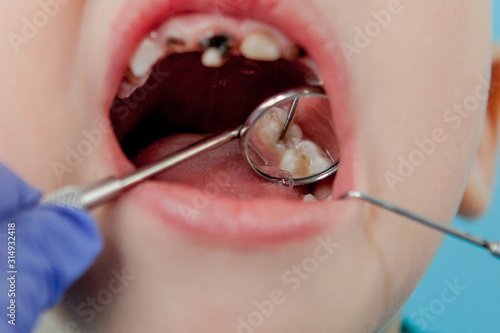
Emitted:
pixel 299 156
pixel 309 198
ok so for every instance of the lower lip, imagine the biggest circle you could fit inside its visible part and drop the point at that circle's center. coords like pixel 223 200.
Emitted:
pixel 205 213
pixel 229 220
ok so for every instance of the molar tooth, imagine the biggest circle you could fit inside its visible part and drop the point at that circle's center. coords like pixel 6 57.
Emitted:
pixel 315 157
pixel 145 57
pixel 293 163
pixel 260 46
pixel 276 114
pixel 271 126
pixel 130 83
pixel 309 149
pixel 268 133
pixel 309 198
pixel 293 136
pixel 313 76
pixel 319 164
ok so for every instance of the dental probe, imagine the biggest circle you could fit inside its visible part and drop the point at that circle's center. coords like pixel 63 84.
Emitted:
pixel 108 189
pixel 492 247
pixel 289 117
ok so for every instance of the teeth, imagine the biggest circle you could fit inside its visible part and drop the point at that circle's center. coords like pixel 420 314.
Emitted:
pixel 260 46
pixel 138 81
pixel 319 164
pixel 309 149
pixel 309 198
pixel 313 198
pixel 271 125
pixel 293 136
pixel 145 57
pixel 305 159
pixel 313 77
pixel 131 83
pixel 212 57
pixel 299 157
pixel 293 163
pixel 125 90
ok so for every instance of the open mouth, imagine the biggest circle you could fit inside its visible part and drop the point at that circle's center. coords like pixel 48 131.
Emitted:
pixel 197 73
pixel 200 74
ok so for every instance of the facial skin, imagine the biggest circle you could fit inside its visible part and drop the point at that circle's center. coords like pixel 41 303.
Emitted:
pixel 431 57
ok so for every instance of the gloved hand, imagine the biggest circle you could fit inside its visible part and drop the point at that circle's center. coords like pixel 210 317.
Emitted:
pixel 46 247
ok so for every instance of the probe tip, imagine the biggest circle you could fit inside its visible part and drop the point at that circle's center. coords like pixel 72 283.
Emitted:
pixel 351 194
pixel 494 248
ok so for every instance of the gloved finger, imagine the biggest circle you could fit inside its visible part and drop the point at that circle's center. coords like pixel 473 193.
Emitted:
pixel 15 194
pixel 54 247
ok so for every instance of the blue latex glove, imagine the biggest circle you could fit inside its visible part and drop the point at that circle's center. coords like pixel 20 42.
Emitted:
pixel 54 246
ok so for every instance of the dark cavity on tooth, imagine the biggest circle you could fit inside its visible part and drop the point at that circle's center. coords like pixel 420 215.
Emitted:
pixel 223 42
pixel 172 41
pixel 301 52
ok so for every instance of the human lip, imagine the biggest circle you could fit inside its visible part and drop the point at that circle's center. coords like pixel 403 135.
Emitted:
pixel 255 220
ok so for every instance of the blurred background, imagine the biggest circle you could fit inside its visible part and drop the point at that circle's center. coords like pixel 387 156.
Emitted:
pixel 461 291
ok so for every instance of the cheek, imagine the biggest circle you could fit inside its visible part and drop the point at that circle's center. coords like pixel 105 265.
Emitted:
pixel 418 85
pixel 39 119
pixel 417 75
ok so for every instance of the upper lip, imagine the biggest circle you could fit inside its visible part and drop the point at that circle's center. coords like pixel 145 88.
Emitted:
pixel 249 220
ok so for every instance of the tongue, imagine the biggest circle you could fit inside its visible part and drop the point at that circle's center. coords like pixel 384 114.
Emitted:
pixel 221 171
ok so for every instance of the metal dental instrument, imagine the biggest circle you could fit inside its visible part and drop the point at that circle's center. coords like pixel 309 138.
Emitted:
pixel 492 247
pixel 289 118
pixel 92 196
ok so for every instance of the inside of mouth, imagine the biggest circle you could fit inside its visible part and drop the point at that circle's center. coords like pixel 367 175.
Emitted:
pixel 183 101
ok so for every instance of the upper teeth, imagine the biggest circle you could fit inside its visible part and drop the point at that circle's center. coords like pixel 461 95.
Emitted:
pixel 260 46
pixel 251 39
pixel 145 57
pixel 212 57
pixel 131 82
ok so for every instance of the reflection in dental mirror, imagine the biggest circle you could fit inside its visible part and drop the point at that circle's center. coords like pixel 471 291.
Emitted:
pixel 290 139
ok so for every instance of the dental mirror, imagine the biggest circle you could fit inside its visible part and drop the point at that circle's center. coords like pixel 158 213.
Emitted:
pixel 288 139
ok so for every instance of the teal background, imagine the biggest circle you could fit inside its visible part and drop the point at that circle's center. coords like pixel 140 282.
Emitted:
pixel 476 309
